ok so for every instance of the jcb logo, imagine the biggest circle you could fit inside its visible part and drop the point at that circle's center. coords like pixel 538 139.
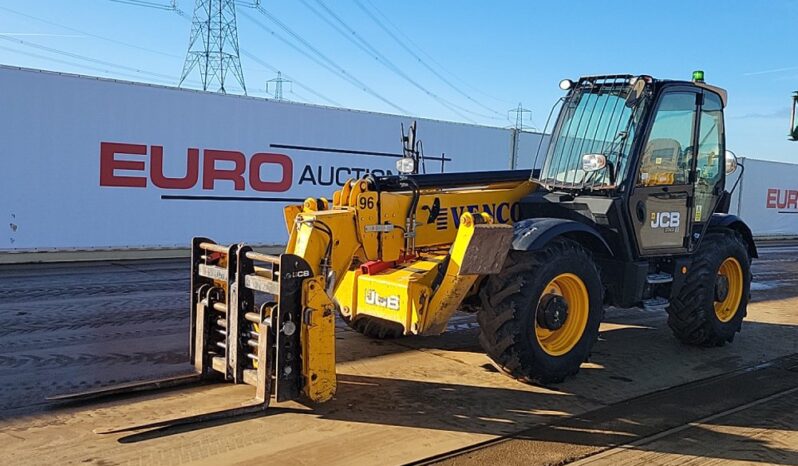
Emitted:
pixel 665 220
pixel 388 302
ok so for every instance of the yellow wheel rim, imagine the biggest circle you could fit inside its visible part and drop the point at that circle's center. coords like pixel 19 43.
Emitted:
pixel 732 271
pixel 573 290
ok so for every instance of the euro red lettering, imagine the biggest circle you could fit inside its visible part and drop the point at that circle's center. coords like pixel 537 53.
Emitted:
pixel 109 164
pixel 268 172
pixel 162 181
pixel 282 161
pixel 773 194
pixel 210 173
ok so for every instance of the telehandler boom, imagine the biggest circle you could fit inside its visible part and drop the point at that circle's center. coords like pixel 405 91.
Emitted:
pixel 629 209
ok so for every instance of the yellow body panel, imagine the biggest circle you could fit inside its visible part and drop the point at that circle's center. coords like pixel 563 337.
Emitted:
pixel 346 293
pixel 289 213
pixel 500 201
pixel 399 294
pixel 316 233
pixel 318 341
pixel 367 214
pixel 478 249
pixel 408 294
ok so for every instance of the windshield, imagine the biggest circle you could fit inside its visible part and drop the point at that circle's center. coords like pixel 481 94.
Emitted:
pixel 594 119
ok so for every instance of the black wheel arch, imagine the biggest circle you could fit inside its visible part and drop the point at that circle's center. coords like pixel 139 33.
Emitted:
pixel 733 222
pixel 534 234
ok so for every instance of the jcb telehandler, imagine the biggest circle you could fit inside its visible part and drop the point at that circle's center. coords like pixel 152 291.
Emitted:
pixel 629 209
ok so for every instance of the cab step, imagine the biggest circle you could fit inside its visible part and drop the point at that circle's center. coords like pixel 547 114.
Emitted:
pixel 656 304
pixel 659 278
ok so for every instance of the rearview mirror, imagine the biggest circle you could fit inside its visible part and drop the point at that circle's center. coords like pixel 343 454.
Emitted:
pixel 593 162
pixel 731 162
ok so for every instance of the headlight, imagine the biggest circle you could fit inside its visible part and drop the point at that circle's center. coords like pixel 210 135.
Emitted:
pixel 406 165
pixel 593 162
pixel 566 84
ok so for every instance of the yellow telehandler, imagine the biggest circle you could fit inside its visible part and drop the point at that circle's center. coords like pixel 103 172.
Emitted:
pixel 628 209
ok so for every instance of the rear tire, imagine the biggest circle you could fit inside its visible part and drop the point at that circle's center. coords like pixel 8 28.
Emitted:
pixel 511 330
pixel 697 315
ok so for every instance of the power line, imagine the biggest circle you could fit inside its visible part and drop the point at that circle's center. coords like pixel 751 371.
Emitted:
pixel 84 66
pixel 58 60
pixel 172 6
pixel 148 4
pixel 96 36
pixel 351 35
pixel 420 60
pixel 298 97
pixel 318 57
pixel 407 39
pixel 82 57
pixel 263 63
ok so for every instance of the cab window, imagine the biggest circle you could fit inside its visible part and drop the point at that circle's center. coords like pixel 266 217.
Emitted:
pixel 710 156
pixel 668 153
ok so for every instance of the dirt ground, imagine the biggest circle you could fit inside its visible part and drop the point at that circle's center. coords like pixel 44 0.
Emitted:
pixel 643 397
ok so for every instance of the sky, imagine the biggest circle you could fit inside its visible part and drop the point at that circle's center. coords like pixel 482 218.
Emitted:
pixel 459 60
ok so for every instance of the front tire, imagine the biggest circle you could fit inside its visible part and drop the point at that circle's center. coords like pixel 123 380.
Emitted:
pixel 540 316
pixel 710 307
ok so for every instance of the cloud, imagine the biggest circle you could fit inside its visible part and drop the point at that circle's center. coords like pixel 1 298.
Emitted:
pixel 774 70
pixel 783 112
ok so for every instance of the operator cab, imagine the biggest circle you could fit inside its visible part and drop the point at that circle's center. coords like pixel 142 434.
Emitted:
pixel 641 159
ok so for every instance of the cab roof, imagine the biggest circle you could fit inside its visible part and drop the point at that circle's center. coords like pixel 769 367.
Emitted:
pixel 616 78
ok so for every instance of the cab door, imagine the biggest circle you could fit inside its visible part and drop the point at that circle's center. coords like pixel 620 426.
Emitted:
pixel 661 201
pixel 710 163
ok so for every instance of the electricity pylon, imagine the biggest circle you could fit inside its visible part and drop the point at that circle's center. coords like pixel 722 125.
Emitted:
pixel 213 46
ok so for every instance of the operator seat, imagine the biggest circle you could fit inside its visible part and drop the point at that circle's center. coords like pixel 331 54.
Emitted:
pixel 660 164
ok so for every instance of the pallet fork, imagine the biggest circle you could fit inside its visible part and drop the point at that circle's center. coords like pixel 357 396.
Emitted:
pixel 232 338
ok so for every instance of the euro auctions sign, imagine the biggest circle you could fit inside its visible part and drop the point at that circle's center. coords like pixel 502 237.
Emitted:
pixel 262 172
pixel 92 163
pixel 784 200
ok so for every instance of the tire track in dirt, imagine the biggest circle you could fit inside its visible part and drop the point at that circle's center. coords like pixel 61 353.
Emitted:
pixel 24 344
pixel 12 294
pixel 64 360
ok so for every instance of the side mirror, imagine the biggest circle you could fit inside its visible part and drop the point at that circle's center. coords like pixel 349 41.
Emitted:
pixel 406 165
pixel 593 162
pixel 731 162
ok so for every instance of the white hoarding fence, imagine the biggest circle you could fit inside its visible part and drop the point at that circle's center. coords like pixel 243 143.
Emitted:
pixel 767 197
pixel 92 163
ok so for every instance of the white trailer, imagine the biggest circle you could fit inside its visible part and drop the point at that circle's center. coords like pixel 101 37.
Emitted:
pixel 767 198
pixel 94 163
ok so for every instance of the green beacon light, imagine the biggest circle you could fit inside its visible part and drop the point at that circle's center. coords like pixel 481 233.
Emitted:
pixel 698 76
